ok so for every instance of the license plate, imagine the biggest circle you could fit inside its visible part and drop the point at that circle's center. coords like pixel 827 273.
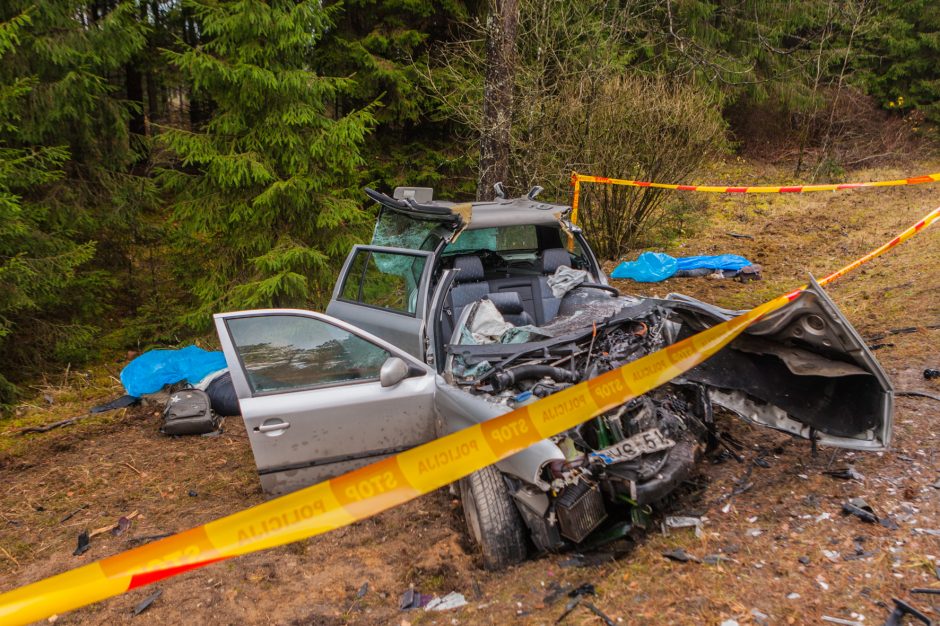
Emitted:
pixel 632 447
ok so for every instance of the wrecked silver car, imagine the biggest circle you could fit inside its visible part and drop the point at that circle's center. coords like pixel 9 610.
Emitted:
pixel 457 313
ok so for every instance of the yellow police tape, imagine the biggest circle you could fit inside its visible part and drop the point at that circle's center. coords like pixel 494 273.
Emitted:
pixel 577 179
pixel 388 483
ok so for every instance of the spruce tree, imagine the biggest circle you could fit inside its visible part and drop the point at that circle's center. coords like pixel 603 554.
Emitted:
pixel 267 203
pixel 384 45
pixel 66 201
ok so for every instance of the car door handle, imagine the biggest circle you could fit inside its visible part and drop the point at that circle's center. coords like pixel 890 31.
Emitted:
pixel 268 427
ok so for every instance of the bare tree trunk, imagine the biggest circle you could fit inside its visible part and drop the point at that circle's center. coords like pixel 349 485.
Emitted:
pixel 133 82
pixel 502 24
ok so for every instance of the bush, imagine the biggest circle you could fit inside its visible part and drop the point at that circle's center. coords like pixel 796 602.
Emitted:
pixel 578 104
pixel 625 126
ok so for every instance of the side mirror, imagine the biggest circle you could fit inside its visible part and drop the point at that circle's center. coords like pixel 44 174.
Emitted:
pixel 393 371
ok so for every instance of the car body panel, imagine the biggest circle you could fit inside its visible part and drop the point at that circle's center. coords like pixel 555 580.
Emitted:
pixel 300 436
pixel 401 327
pixel 458 409
pixel 809 371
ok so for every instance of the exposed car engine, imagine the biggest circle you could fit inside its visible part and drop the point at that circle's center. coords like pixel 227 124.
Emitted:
pixel 629 457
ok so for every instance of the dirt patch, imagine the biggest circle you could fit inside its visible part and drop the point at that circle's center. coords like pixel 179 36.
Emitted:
pixel 782 535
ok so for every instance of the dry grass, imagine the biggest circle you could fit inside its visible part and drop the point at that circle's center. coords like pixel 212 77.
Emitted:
pixel 108 466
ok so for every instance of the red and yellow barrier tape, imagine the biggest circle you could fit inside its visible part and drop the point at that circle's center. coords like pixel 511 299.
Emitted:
pixel 577 179
pixel 388 483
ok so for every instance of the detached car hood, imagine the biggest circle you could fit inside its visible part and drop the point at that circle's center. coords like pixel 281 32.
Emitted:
pixel 803 369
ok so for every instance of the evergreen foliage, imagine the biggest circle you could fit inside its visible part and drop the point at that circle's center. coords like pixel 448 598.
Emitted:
pixel 900 55
pixel 265 196
pixel 162 160
pixel 384 45
pixel 67 199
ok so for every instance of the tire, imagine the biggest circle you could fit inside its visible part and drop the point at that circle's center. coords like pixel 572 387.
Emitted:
pixel 492 518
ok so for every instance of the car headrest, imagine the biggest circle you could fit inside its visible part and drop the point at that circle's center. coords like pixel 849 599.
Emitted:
pixel 469 269
pixel 507 302
pixel 553 258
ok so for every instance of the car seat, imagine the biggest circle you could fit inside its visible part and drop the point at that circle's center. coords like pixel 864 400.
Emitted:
pixel 469 286
pixel 552 259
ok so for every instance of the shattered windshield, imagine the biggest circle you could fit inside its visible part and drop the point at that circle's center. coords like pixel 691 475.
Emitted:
pixel 395 230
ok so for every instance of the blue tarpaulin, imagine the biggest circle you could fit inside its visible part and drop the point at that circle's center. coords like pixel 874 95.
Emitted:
pixel 731 262
pixel 152 370
pixel 652 267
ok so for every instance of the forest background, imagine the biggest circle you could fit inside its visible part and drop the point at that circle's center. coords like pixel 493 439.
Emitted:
pixel 163 160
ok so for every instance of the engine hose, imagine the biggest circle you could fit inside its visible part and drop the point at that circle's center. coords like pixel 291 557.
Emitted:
pixel 506 379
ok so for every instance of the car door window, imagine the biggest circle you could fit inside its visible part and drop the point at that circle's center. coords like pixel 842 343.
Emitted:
pixel 291 352
pixel 384 280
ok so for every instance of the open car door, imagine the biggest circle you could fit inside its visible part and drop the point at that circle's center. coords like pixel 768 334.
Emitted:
pixel 321 397
pixel 384 290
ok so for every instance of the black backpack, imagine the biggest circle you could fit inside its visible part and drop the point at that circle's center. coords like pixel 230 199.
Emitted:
pixel 189 412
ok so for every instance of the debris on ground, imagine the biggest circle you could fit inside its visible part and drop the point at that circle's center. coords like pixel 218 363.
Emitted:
pixel 930 374
pixel 839 620
pixel 592 559
pixel 585 589
pixel 555 591
pixel 117 528
pixel 596 611
pixel 412 599
pixel 860 509
pixel 845 473
pixel 146 602
pixel 117 403
pixel 578 596
pixel 682 521
pixel 84 544
pixel 123 524
pixel 681 556
pixel 452 600
pixel 73 513
pixel 860 552
pixel 901 609
pixel 832 555
pixel 716 559
pixel 363 590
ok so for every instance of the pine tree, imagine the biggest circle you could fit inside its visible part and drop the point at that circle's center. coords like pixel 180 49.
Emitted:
pixel 266 198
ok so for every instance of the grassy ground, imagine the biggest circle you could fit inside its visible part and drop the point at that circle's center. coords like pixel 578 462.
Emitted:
pixel 87 475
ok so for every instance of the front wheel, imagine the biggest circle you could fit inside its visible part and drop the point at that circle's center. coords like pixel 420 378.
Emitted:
pixel 493 520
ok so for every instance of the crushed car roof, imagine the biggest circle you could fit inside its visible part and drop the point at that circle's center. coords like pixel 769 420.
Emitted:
pixel 475 215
